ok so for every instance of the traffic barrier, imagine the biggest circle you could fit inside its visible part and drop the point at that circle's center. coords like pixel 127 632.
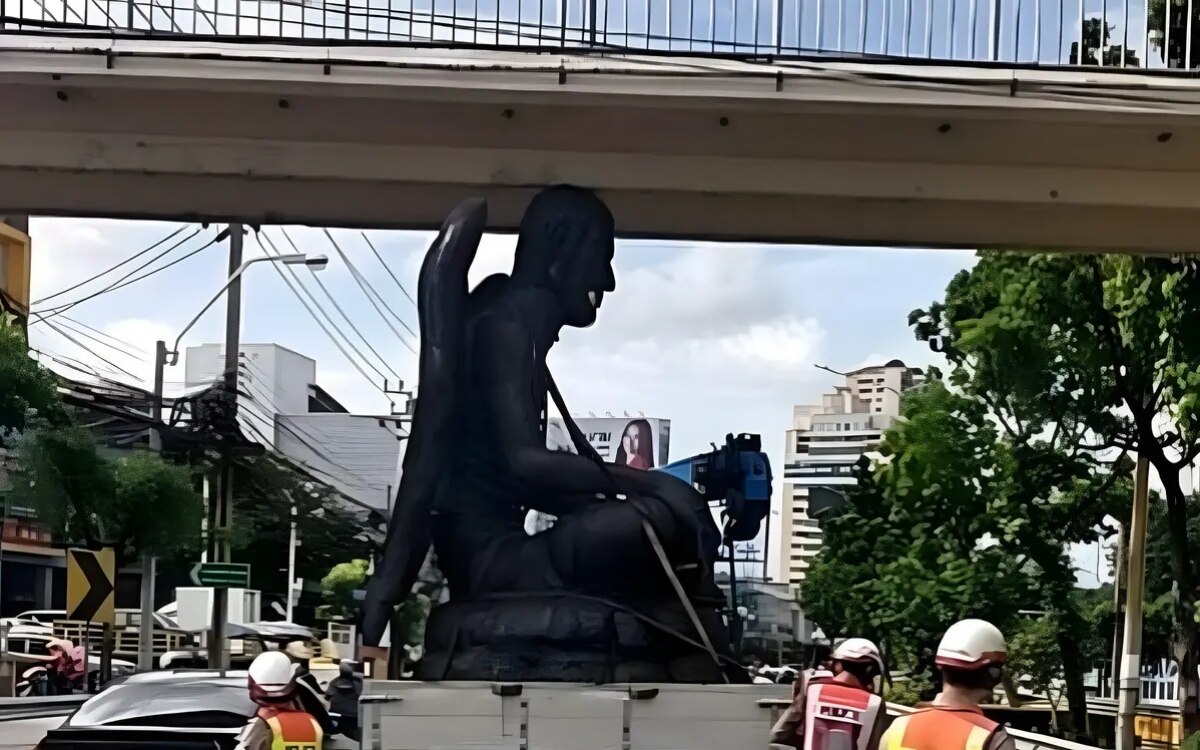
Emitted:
pixel 46 707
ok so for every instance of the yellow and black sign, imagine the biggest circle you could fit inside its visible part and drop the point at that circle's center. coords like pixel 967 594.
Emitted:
pixel 91 579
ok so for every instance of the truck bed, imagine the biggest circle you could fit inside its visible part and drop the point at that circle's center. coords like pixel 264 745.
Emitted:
pixel 399 715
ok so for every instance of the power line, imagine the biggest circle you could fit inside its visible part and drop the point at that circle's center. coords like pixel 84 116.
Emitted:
pixel 317 319
pixel 43 315
pixel 54 327
pixel 130 259
pixel 386 268
pixel 366 288
pixel 64 323
pixel 338 307
pixel 351 480
pixel 325 313
pixel 108 336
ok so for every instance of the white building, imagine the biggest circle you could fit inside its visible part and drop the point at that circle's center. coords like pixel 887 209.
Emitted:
pixel 823 446
pixel 282 407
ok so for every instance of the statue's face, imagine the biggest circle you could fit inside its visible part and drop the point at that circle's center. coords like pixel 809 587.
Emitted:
pixel 582 279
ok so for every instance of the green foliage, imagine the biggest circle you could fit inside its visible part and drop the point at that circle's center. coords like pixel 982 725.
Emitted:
pixel 327 526
pixel 1086 355
pixel 136 504
pixel 909 691
pixel 25 386
pixel 156 509
pixel 1034 655
pixel 64 479
pixel 1191 743
pixel 953 521
pixel 338 587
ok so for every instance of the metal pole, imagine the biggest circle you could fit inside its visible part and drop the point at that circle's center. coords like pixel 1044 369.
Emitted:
pixel 222 510
pixel 929 28
pixel 1131 681
pixel 975 26
pixel 146 628
pixel 1125 41
pixel 1037 31
pixel 820 24
pixel 1166 33
pixel 907 25
pixel 883 29
pixel 994 30
pixel 156 403
pixel 767 548
pixel 950 18
pixel 1187 48
pixel 291 564
pixel 1119 571
pixel 1080 51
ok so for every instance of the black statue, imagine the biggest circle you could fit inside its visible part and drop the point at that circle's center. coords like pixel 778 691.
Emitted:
pixel 621 588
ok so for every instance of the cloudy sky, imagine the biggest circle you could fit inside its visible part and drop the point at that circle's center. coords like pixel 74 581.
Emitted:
pixel 716 337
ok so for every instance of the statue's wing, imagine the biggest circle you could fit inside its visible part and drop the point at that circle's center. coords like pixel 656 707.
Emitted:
pixel 442 300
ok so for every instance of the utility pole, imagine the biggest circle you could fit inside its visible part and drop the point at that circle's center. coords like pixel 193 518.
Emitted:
pixel 1131 679
pixel 221 509
pixel 1119 575
pixel 146 626
pixel 291 574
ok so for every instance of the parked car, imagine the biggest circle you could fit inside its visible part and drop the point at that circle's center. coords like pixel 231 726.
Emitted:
pixel 164 710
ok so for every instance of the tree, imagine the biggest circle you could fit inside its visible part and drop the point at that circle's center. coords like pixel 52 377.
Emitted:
pixel 137 504
pixel 26 388
pixel 917 545
pixel 1035 657
pixel 156 509
pixel 956 520
pixel 327 526
pixel 1094 354
pixel 338 587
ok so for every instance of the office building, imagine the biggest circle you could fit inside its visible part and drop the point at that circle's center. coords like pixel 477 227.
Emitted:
pixel 281 406
pixel 823 446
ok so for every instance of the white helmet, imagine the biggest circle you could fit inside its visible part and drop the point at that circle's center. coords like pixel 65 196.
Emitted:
pixel 858 650
pixel 272 678
pixel 972 644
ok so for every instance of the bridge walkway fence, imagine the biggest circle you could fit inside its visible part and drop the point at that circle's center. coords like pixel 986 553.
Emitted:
pixel 1111 33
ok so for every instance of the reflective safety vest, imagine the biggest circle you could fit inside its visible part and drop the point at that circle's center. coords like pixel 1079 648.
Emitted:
pixel 839 717
pixel 294 730
pixel 940 728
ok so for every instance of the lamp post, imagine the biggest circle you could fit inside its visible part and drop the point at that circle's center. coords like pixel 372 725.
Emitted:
pixel 219 510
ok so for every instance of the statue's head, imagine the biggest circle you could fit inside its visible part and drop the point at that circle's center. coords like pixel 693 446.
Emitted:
pixel 566 247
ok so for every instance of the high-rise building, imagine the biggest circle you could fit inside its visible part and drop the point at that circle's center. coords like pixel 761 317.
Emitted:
pixel 823 446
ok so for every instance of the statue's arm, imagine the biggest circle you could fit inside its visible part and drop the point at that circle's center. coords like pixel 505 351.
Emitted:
pixel 563 482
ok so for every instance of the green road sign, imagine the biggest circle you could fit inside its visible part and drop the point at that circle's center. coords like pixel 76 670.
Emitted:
pixel 221 575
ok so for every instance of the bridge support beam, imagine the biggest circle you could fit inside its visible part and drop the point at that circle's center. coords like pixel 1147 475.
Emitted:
pixel 858 154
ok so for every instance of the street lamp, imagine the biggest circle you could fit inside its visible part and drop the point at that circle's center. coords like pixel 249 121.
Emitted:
pixel 163 357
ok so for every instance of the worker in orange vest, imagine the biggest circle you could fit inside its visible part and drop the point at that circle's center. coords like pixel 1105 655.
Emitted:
pixel 971 659
pixel 281 722
pixel 841 710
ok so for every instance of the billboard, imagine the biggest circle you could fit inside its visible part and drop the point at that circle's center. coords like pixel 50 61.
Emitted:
pixel 638 442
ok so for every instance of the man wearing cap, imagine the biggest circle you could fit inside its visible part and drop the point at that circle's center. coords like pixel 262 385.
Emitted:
pixel 839 711
pixel 971 659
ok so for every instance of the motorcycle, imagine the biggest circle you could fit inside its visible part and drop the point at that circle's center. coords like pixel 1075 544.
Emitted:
pixel 35 682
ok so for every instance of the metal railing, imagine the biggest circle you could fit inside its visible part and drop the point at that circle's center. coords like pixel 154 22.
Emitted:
pixel 1136 33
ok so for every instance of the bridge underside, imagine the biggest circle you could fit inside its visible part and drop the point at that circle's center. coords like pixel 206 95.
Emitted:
pixel 861 153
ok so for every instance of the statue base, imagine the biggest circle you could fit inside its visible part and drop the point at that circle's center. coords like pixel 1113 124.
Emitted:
pixel 560 637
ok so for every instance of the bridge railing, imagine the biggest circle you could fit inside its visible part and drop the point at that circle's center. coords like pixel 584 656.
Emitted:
pixel 1136 33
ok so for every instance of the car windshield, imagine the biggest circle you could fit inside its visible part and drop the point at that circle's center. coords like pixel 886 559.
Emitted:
pixel 132 702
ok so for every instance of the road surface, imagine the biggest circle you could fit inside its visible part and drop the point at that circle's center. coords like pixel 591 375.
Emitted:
pixel 25 735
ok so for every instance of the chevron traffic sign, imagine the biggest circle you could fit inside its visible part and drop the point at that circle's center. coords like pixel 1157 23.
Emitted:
pixel 91 579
